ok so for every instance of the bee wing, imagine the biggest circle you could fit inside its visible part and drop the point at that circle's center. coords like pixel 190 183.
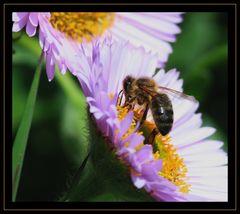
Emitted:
pixel 171 92
pixel 148 90
pixel 177 94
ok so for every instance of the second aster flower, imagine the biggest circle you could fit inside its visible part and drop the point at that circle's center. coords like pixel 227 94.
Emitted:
pixel 61 33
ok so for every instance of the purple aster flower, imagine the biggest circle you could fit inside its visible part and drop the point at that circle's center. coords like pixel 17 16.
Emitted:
pixel 181 166
pixel 62 34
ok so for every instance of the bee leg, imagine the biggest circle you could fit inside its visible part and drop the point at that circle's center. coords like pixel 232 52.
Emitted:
pixel 152 136
pixel 128 102
pixel 133 106
pixel 129 106
pixel 119 103
pixel 144 115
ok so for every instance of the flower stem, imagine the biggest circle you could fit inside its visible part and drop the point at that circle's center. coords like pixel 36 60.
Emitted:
pixel 20 142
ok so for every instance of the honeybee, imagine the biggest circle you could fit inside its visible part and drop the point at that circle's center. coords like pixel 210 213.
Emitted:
pixel 145 92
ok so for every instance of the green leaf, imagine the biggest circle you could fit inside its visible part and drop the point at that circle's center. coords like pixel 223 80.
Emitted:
pixel 20 142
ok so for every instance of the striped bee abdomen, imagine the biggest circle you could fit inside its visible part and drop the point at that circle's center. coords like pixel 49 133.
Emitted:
pixel 162 112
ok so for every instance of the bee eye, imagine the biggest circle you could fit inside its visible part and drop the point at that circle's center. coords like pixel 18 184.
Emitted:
pixel 127 85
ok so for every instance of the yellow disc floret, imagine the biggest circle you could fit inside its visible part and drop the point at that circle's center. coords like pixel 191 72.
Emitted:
pixel 173 168
pixel 83 25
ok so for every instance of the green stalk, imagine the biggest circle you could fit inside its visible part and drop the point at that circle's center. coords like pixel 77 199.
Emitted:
pixel 20 142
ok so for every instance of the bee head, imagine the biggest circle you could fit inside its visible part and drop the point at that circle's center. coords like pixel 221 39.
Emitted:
pixel 127 84
pixel 128 87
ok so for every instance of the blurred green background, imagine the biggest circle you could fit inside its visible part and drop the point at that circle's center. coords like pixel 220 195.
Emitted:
pixel 55 149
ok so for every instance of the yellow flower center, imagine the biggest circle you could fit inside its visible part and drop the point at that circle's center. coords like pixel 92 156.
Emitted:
pixel 173 168
pixel 83 25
